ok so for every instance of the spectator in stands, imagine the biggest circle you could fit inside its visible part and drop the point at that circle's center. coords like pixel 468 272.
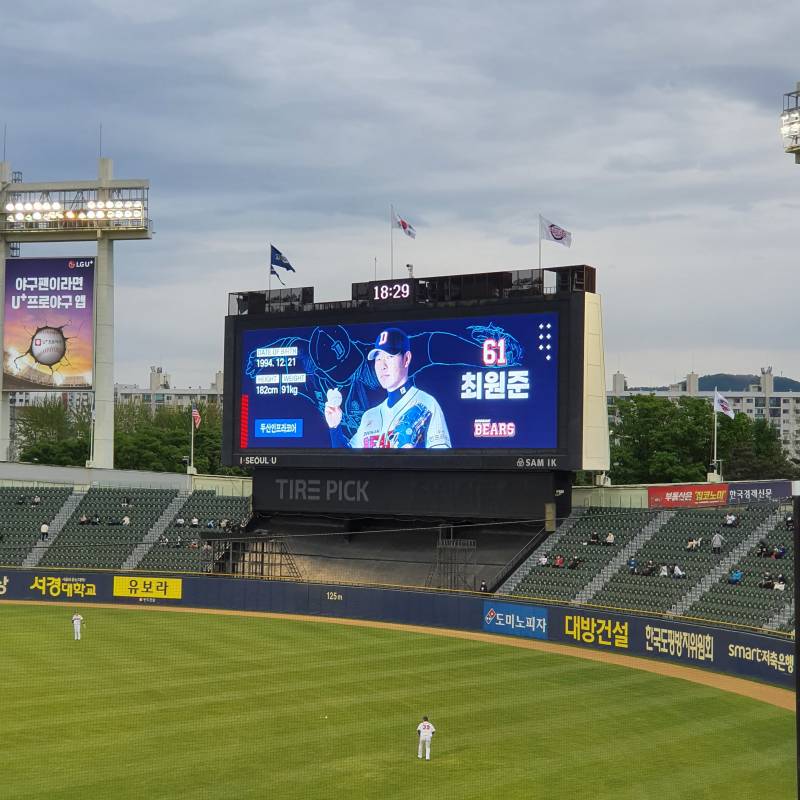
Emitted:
pixel 649 568
pixel 212 523
pixel 664 571
pixel 223 523
pixel 559 562
pixel 731 520
pixel 96 519
pixel 735 577
pixel 195 522
pixel 126 520
pixel 789 522
pixel 21 501
pixel 44 532
pixel 180 522
pixel 484 587
pixel 127 502
pixel 163 540
pixel 677 572
pixel 632 564
pixel 206 547
pixel 764 549
pixel 36 500
pixel 780 583
pixel 194 544
pixel 694 543
pixel 179 541
pixel 574 563
pixel 609 539
pixel 716 542
pixel 767 582
pixel 594 538
pixel 779 551
pixel 83 520
pixel 243 524
pixel 542 562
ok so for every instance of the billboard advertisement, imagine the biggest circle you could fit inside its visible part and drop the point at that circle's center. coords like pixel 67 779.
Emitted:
pixel 463 383
pixel 47 328
pixel 687 495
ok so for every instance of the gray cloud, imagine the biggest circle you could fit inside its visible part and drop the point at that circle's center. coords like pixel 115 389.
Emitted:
pixel 650 131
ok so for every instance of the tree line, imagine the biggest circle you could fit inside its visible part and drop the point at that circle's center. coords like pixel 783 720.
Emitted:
pixel 653 440
pixel 52 433
pixel 658 440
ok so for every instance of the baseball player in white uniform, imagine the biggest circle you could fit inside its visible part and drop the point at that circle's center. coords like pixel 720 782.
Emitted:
pixel 425 731
pixel 408 417
pixel 77 621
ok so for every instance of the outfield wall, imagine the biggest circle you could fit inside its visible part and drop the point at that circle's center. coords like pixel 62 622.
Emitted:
pixel 740 653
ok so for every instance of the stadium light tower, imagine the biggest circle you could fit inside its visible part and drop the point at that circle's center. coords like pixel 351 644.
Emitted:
pixel 101 211
pixel 790 123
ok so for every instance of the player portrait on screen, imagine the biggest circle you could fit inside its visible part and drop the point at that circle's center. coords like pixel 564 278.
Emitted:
pixel 407 418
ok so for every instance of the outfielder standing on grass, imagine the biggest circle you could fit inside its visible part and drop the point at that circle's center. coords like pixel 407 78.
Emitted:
pixel 408 417
pixel 425 731
pixel 77 621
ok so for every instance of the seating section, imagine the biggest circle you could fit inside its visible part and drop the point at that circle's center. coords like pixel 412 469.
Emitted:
pixel 565 584
pixel 746 603
pixel 181 547
pixel 633 590
pixel 107 543
pixel 21 518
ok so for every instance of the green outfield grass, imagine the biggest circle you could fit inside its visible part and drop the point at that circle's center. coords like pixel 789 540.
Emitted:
pixel 160 705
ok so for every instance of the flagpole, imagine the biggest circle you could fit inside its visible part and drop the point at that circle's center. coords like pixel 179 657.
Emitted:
pixel 191 451
pixel 540 242
pixel 714 407
pixel 391 241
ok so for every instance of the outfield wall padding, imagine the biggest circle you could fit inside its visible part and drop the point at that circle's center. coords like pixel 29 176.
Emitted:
pixel 741 653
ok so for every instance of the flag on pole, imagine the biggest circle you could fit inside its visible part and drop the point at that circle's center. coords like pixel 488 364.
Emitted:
pixel 278 259
pixel 196 418
pixel 721 404
pixel 272 271
pixel 405 226
pixel 554 233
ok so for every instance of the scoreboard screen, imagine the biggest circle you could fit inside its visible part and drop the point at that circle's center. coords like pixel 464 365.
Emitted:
pixel 487 382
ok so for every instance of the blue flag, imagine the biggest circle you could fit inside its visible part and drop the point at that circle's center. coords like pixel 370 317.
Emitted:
pixel 272 271
pixel 278 259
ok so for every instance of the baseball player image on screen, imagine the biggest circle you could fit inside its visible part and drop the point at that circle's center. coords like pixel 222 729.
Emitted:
pixel 408 417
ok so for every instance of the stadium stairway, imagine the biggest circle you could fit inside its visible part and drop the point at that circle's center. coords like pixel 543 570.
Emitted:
pixel 723 567
pixel 524 568
pixel 609 570
pixel 56 526
pixel 160 525
pixel 781 620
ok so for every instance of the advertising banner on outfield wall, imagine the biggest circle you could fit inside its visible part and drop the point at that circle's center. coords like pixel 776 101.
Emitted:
pixel 757 491
pixel 514 619
pixel 750 655
pixel 689 495
pixel 48 328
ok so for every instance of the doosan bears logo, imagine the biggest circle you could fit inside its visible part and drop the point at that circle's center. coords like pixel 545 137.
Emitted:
pixel 85 263
pixel 557 233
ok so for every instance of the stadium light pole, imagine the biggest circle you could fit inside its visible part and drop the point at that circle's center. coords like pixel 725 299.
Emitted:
pixel 790 123
pixel 101 211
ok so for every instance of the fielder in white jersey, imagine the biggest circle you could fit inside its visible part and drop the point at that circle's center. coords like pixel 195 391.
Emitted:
pixel 408 417
pixel 425 731
pixel 77 621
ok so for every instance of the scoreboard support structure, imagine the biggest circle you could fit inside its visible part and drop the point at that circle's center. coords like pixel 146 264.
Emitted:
pixel 505 372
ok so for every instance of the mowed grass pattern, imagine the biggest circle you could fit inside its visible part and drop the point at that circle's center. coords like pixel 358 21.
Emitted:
pixel 162 705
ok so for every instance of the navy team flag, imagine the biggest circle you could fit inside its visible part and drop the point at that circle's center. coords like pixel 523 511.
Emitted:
pixel 273 271
pixel 278 259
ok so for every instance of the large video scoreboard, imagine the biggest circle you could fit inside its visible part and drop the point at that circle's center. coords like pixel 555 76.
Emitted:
pixel 407 375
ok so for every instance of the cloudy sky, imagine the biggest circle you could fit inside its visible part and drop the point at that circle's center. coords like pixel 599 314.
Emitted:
pixel 648 130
